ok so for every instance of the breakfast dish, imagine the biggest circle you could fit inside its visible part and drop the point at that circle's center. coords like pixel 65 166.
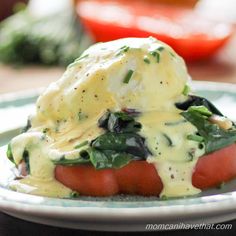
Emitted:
pixel 122 119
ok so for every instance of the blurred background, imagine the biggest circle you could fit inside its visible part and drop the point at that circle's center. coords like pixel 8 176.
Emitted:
pixel 39 38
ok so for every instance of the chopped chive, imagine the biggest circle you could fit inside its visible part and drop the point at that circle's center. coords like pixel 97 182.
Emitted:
pixel 194 137
pixel 81 144
pixel 156 55
pixel 128 76
pixel 146 60
pixel 74 194
pixel 153 53
pixel 200 109
pixel 186 90
pixel 175 122
pixel 123 49
pixel 168 139
pixel 160 49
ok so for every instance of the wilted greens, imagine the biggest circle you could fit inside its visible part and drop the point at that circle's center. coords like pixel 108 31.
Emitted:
pixel 209 133
pixel 119 145
pixel 55 39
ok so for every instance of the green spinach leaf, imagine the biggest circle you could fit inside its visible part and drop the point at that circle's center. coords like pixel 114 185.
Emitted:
pixel 214 137
pixel 119 122
pixel 122 142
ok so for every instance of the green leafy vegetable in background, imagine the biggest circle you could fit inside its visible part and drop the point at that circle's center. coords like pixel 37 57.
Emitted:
pixel 55 39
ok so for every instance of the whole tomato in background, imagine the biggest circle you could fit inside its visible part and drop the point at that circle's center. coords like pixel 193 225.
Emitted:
pixel 192 36
pixel 7 7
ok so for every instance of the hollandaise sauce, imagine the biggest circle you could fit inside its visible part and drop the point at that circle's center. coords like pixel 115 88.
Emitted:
pixel 133 74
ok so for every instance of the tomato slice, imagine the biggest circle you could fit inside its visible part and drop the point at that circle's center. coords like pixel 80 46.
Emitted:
pixel 87 180
pixel 217 167
pixel 140 177
pixel 191 36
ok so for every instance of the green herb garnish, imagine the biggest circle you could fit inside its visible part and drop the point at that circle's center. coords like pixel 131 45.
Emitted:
pixel 196 138
pixel 201 109
pixel 146 60
pixel 168 139
pixel 160 49
pixel 186 90
pixel 81 144
pixel 175 123
pixel 74 194
pixel 156 55
pixel 128 76
pixel 123 49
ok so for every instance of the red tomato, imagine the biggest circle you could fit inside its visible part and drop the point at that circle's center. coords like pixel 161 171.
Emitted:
pixel 192 37
pixel 87 180
pixel 140 177
pixel 217 167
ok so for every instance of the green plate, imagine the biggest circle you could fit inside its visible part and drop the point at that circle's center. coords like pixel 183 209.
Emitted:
pixel 120 213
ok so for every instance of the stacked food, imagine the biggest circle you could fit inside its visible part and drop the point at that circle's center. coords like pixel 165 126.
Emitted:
pixel 121 120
